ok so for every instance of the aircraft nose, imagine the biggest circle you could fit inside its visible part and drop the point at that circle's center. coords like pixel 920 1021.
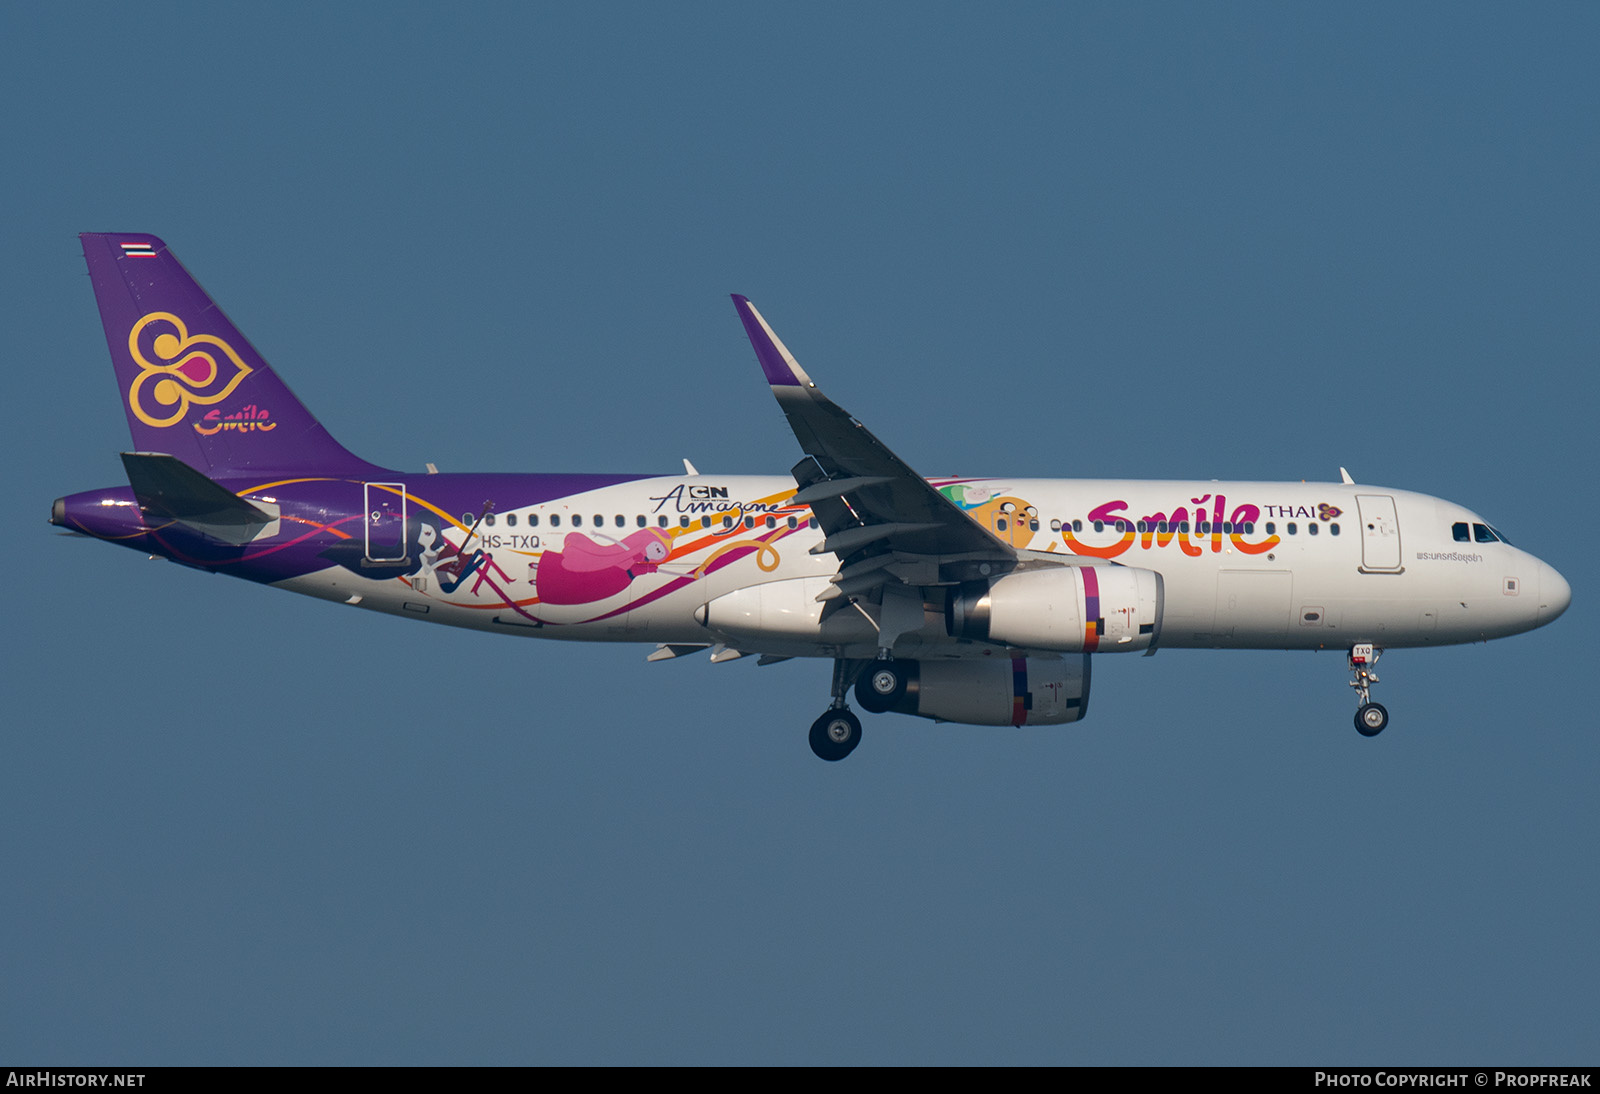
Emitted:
pixel 1554 593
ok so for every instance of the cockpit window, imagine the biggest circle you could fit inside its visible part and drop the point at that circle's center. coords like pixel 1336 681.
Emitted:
pixel 1458 531
pixel 1482 533
pixel 1499 535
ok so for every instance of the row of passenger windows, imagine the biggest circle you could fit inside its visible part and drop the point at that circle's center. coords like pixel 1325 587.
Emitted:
pixel 620 521
pixel 1162 527
pixel 1204 527
pixel 1481 533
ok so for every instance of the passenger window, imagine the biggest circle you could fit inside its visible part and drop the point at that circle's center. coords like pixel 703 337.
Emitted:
pixel 1272 528
pixel 577 520
pixel 705 522
pixel 1312 528
pixel 622 521
pixel 749 522
pixel 1333 529
pixel 661 521
pixel 772 522
pixel 1292 528
pixel 793 523
pixel 1055 526
pixel 1458 531
pixel 511 520
pixel 642 520
pixel 555 520
pixel 727 522
pixel 489 520
pixel 533 520
pixel 1099 526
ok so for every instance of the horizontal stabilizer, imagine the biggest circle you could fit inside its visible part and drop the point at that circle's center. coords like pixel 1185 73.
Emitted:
pixel 167 487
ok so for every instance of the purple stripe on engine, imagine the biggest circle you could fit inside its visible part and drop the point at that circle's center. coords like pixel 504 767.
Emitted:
pixel 1091 610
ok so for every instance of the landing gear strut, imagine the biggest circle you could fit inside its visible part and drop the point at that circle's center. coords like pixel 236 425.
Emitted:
pixel 1371 718
pixel 836 734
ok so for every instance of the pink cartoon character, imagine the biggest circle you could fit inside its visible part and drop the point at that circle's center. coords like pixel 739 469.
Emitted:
pixel 584 571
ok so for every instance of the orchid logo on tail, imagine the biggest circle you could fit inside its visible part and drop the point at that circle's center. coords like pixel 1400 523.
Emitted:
pixel 189 373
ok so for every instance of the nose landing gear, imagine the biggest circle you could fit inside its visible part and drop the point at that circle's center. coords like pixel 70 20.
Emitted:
pixel 1371 718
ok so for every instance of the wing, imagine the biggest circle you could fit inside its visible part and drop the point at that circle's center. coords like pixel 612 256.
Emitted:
pixel 882 519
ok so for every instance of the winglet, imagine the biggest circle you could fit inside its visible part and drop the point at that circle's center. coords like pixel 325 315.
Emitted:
pixel 776 361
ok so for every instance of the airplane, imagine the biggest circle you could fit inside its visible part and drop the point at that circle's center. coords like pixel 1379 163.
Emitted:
pixel 973 600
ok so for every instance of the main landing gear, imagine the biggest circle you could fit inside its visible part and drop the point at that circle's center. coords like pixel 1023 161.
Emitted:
pixel 836 734
pixel 1371 718
pixel 880 685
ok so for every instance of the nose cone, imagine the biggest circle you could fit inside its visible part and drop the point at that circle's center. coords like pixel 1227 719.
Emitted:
pixel 1554 593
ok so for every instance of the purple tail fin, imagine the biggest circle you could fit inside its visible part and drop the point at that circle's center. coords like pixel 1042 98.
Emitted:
pixel 192 386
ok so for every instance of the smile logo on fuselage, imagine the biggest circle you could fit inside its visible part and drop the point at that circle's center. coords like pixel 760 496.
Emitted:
pixel 189 371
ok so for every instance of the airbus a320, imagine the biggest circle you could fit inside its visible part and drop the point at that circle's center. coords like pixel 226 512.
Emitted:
pixel 974 600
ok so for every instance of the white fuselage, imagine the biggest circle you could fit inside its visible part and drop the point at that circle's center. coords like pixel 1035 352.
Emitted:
pixel 1243 564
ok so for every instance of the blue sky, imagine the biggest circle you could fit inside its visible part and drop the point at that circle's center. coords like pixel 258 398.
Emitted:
pixel 1247 241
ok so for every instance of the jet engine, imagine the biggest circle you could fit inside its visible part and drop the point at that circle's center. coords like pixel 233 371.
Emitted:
pixel 1071 609
pixel 992 691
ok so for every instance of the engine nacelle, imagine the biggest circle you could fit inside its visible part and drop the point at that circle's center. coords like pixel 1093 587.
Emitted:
pixel 1073 609
pixel 997 691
